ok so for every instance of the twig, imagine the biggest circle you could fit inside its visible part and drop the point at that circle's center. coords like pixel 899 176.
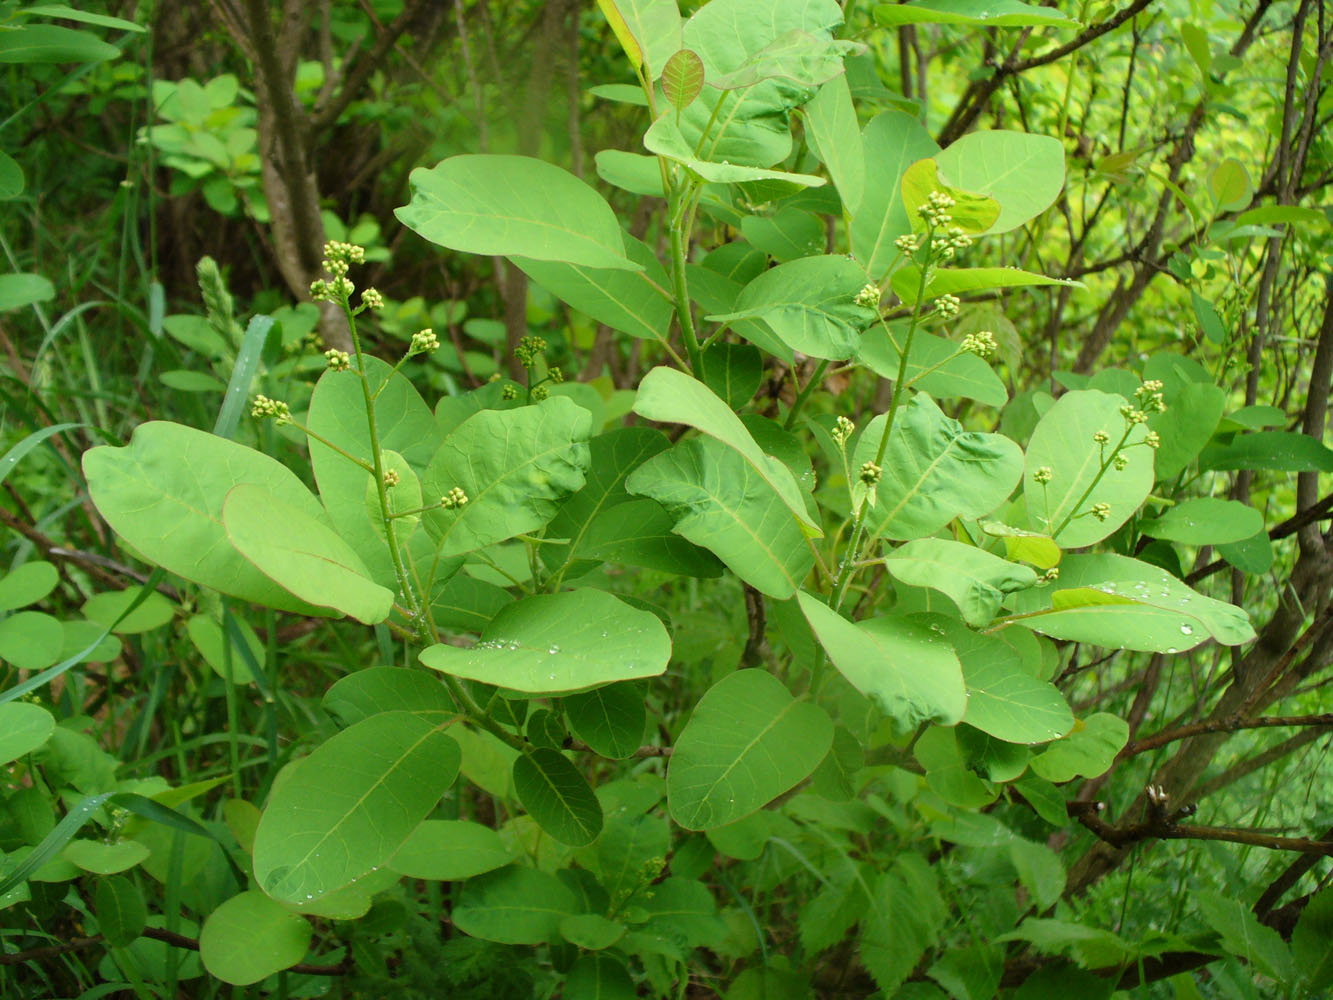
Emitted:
pixel 1220 726
pixel 1165 827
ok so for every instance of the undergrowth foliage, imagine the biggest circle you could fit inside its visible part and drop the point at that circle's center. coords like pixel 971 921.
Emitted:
pixel 536 783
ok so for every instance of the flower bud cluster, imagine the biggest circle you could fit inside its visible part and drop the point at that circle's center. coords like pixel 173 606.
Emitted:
pixel 868 296
pixel 870 473
pixel 454 499
pixel 842 430
pixel 390 478
pixel 339 361
pixel 936 209
pixel 423 342
pixel 948 305
pixel 1101 511
pixel 540 392
pixel 982 344
pixel 1043 475
pixel 263 407
pixel 555 375
pixel 372 299
pixel 950 242
pixel 337 290
pixel 908 243
pixel 510 391
pixel 529 349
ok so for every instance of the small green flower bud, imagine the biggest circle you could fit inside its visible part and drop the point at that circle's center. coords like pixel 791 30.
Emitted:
pixel 424 341
pixel 948 305
pixel 909 243
pixel 1052 574
pixel 1121 462
pixel 528 350
pixel 1043 475
pixel 1101 511
pixel 982 344
pixel 454 499
pixel 339 361
pixel 870 473
pixel 1153 440
pixel 372 299
pixel 868 296
pixel 1101 437
pixel 391 478
pixel 540 392
pixel 509 392
pixel 843 430
pixel 341 288
pixel 263 407
pixel 555 375
pixel 320 291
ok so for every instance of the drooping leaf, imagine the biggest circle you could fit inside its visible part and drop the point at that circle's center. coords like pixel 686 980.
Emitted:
pixel 720 502
pixel 1117 602
pixel 513 205
pixel 349 806
pixel 963 280
pixel 164 491
pixel 809 304
pixel 513 906
pixel 641 533
pixel 665 138
pixel 671 396
pixel 1088 750
pixel 976 580
pixel 1081 473
pixel 909 671
pixel 50 43
pixel 835 136
pixel 648 31
pixel 557 795
pixel 892 142
pixel 1281 451
pixel 934 471
pixel 514 467
pixel 450 850
pixel 570 641
pixel 633 302
pixel 250 937
pixel 977 13
pixel 302 554
pixel 746 743
pixel 1023 172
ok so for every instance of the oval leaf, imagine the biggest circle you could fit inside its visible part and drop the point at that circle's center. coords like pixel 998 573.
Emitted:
pixel 250 937
pixel 450 850
pixel 683 78
pixel 350 805
pixel 557 795
pixel 570 641
pixel 513 906
pixel 23 728
pixel 747 742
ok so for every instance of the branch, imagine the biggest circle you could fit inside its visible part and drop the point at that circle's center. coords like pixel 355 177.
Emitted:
pixel 1160 826
pixel 363 65
pixel 1220 726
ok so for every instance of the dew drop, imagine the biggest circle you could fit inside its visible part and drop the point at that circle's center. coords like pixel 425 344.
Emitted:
pixel 1186 629
pixel 1171 649
pixel 553 650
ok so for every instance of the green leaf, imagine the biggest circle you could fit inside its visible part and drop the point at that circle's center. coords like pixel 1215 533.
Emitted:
pixel 49 43
pixel 1192 414
pixel 1205 521
pixel 720 502
pixel 450 850
pixel 892 142
pixel 976 13
pixel 513 205
pixel 664 137
pixel 11 177
pixel 1309 941
pixel 934 365
pixel 1280 451
pixel 906 669
pixel 746 743
pixel 1250 555
pixel 633 302
pixel 164 491
pixel 788 234
pixel 31 640
pixel 1243 936
pixel 250 937
pixel 1063 442
pixel 671 396
pixel 973 578
pixel 1230 186
pixel 835 136
pixel 593 933
pixel 632 172
pixel 934 471
pixel 557 795
pixel 569 641
pixel 971 212
pixel 1118 602
pixel 20 290
pixel 107 607
pixel 609 719
pixel 734 372
pixel 373 690
pixel 302 554
pixel 683 78
pixel 809 305
pixel 599 976
pixel 513 906
pixel 101 858
pixel 68 13
pixel 1004 699
pixel 648 31
pixel 630 853
pixel 514 465
pixel 1088 751
pixel 122 913
pixel 964 280
pixel 1023 172
pixel 23 728
pixel 349 806
pixel 894 935
pixel 27 584
pixel 796 55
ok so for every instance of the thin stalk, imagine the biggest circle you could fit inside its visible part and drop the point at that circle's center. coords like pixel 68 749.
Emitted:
pixel 1095 480
pixel 679 245
pixel 804 395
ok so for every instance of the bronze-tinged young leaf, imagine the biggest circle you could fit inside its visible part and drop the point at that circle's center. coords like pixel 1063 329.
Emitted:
pixel 683 78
